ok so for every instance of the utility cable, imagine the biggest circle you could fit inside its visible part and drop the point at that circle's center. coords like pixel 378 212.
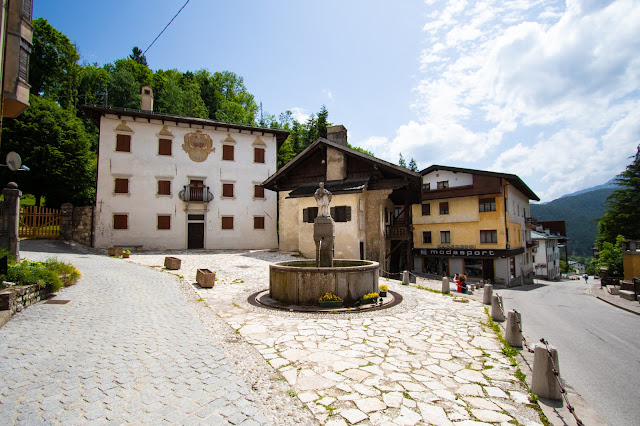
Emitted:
pixel 174 17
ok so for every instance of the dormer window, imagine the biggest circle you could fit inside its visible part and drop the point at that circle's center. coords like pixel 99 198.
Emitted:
pixel 443 184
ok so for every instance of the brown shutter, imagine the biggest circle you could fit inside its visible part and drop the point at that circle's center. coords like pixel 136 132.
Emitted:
pixel 227 190
pixel 164 146
pixel 305 215
pixel 164 187
pixel 332 212
pixel 258 222
pixel 313 213
pixel 347 213
pixel 123 143
pixel 120 221
pixel 258 155
pixel 227 222
pixel 258 191
pixel 227 152
pixel 121 186
pixel 164 222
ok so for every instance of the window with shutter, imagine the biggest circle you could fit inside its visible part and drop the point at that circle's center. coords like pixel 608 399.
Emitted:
pixel 488 237
pixel 341 213
pixel 445 237
pixel 258 155
pixel 164 187
pixel 426 209
pixel 120 221
pixel 258 191
pixel 227 190
pixel 123 143
pixel 426 237
pixel 228 152
pixel 227 222
pixel 26 9
pixel 258 222
pixel 444 208
pixel 23 66
pixel 309 214
pixel 164 147
pixel 164 221
pixel 121 186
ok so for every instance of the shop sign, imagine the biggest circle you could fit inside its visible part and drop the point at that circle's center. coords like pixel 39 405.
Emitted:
pixel 469 253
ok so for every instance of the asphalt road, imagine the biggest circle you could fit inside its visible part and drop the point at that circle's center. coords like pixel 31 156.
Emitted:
pixel 598 344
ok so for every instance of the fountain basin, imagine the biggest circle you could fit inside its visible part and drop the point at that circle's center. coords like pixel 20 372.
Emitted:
pixel 300 282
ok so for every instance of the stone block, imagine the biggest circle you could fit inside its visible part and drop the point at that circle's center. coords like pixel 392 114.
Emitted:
pixel 172 263
pixel 205 278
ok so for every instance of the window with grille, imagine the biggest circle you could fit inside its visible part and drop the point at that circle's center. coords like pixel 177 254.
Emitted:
pixel 489 237
pixel 121 186
pixel 123 143
pixel 309 214
pixel 258 155
pixel 258 222
pixel 443 184
pixel 227 190
pixel 258 191
pixel 228 152
pixel 120 221
pixel 164 221
pixel 164 146
pixel 444 208
pixel 164 187
pixel 426 237
pixel 341 213
pixel 227 222
pixel 426 209
pixel 445 237
pixel 487 204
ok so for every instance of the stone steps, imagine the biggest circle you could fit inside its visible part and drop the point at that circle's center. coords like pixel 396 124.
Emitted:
pixel 627 294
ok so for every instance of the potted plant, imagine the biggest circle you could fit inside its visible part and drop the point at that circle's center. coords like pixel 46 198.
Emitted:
pixel 205 278
pixel 330 300
pixel 369 298
pixel 383 290
pixel 125 254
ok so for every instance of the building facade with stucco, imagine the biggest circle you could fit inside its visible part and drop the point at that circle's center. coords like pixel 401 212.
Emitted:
pixel 168 182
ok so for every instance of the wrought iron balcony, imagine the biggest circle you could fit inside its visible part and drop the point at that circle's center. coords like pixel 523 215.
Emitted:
pixel 198 193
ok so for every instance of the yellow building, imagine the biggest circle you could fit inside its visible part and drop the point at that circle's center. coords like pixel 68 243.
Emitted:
pixel 631 259
pixel 473 222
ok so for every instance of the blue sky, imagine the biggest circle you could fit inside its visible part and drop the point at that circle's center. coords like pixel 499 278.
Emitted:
pixel 548 90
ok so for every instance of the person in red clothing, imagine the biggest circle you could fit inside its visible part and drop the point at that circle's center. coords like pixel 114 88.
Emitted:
pixel 461 282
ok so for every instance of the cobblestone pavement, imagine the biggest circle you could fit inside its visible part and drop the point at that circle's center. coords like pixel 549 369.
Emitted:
pixel 429 360
pixel 129 347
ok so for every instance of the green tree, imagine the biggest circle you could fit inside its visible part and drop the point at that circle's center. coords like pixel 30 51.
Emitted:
pixel 54 144
pixel 402 162
pixel 179 94
pixel 232 102
pixel 611 256
pixel 126 78
pixel 622 216
pixel 362 150
pixel 412 165
pixel 138 56
pixel 53 69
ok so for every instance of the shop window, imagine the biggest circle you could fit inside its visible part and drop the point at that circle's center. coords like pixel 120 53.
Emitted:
pixel 489 237
pixel 444 208
pixel 164 146
pixel 487 204
pixel 120 221
pixel 309 214
pixel 426 209
pixel 123 143
pixel 164 221
pixel 426 237
pixel 445 237
pixel 227 222
pixel 121 186
pixel 258 222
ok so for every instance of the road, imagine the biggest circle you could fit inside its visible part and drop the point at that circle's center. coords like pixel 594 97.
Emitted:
pixel 598 344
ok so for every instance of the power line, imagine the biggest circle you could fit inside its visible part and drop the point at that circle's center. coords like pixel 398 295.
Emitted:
pixel 174 17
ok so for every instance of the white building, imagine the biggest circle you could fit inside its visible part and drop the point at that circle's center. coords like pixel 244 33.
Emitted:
pixel 169 182
pixel 546 254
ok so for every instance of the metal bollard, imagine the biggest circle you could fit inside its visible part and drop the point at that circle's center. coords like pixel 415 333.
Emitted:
pixel 543 380
pixel 405 277
pixel 512 333
pixel 445 285
pixel 496 311
pixel 488 293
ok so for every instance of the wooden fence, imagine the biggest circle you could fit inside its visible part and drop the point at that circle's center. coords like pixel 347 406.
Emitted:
pixel 39 222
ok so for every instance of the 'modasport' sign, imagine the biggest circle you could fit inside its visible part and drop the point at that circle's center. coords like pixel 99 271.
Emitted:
pixel 486 253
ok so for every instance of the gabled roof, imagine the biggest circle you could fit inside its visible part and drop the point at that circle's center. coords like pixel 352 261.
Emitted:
pixel 349 151
pixel 346 186
pixel 512 179
pixel 94 112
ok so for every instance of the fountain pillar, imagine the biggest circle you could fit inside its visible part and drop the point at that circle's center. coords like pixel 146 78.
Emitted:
pixel 324 235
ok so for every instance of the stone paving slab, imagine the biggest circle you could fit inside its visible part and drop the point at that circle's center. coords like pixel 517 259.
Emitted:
pixel 429 360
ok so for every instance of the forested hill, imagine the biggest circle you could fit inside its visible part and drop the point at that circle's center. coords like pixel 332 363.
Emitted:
pixel 579 211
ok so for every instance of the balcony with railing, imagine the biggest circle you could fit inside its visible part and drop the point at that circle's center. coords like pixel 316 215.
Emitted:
pixel 195 193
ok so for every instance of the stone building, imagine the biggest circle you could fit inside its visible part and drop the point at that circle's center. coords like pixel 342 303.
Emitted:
pixel 370 204
pixel 474 222
pixel 171 182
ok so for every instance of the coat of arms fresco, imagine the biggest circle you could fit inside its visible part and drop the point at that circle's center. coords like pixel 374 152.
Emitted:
pixel 198 145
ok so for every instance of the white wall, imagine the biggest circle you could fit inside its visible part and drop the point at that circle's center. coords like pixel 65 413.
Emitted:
pixel 143 166
pixel 455 179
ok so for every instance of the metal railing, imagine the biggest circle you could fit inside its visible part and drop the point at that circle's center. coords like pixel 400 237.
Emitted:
pixel 195 193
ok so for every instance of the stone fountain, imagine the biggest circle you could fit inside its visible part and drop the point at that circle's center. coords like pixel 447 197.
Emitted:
pixel 303 282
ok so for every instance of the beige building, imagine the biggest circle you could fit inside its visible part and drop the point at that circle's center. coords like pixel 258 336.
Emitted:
pixel 370 202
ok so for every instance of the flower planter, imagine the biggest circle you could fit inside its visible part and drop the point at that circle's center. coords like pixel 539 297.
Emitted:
pixel 368 301
pixel 115 251
pixel 205 278
pixel 383 293
pixel 331 303
pixel 172 263
pixel 125 255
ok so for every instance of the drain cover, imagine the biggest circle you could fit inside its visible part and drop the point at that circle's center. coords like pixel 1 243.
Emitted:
pixel 57 302
pixel 244 266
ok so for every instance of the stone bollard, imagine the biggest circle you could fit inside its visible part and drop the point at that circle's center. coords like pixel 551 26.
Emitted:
pixel 488 293
pixel 496 312
pixel 405 277
pixel 543 381
pixel 512 333
pixel 445 285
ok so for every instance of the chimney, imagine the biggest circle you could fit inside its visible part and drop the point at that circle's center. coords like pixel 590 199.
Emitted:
pixel 147 99
pixel 337 134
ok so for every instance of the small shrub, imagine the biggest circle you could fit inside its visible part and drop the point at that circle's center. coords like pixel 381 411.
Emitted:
pixel 330 297
pixel 126 251
pixel 29 273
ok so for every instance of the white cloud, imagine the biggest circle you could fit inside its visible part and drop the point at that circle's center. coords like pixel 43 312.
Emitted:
pixel 546 90
pixel 299 114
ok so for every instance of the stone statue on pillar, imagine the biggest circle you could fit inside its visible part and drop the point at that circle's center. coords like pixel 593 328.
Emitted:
pixel 323 228
pixel 323 198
